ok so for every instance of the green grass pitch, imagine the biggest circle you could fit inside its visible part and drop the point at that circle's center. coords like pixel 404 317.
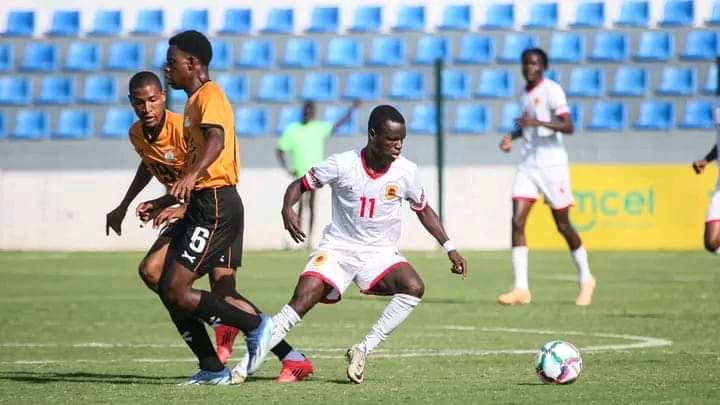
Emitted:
pixel 81 328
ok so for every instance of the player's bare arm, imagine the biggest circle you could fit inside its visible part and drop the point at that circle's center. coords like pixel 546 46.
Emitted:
pixel 562 124
pixel 214 144
pixel 346 117
pixel 291 220
pixel 430 220
pixel 699 165
pixel 169 214
pixel 113 220
pixel 148 210
pixel 280 155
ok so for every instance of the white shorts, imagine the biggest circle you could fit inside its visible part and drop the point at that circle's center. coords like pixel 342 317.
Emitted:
pixel 339 268
pixel 553 182
pixel 713 213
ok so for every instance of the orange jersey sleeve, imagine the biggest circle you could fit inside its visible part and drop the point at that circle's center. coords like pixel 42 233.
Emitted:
pixel 209 107
pixel 166 155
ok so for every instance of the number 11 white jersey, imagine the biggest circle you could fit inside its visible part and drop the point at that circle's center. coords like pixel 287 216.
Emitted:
pixel 366 207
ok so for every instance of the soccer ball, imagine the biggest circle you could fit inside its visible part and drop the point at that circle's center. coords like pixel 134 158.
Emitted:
pixel 558 362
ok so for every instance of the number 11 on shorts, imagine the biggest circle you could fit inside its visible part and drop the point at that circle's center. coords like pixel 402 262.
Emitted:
pixel 365 202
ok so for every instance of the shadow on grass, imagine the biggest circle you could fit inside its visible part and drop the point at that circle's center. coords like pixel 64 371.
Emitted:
pixel 37 377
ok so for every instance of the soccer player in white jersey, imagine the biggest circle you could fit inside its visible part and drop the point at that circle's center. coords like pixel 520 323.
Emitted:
pixel 369 187
pixel 543 169
pixel 712 220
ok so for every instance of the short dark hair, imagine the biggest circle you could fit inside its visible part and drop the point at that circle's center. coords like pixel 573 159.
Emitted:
pixel 142 79
pixel 194 43
pixel 382 114
pixel 539 52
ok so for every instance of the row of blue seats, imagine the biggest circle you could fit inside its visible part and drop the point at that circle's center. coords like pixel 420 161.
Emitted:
pixel 469 119
pixel 654 46
pixel 633 13
pixel 629 81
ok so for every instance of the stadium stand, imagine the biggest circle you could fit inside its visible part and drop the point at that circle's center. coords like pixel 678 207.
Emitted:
pixel 471 119
pixel 334 113
pixel 32 125
pixel 117 122
pixel 150 22
pixel 543 15
pixel 20 23
pixel 456 17
pixel 74 124
pixel 367 19
pixel 475 50
pixel 279 21
pixel 324 19
pixel 589 15
pixel 237 21
pixel 251 121
pixel 65 23
pixel 107 23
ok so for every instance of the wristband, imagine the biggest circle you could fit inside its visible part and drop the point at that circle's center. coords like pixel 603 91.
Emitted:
pixel 448 246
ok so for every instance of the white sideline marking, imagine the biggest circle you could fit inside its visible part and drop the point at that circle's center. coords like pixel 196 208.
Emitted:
pixel 636 342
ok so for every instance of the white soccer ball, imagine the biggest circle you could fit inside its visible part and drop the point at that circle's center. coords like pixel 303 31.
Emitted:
pixel 558 362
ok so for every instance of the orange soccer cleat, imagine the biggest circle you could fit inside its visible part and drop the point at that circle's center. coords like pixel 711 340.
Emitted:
pixel 224 339
pixel 293 371
pixel 515 296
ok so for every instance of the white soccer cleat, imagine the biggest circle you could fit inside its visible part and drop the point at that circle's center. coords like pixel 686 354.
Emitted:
pixel 515 296
pixel 356 358
pixel 585 294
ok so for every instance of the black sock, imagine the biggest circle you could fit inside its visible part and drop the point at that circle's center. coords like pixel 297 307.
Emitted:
pixel 282 349
pixel 213 309
pixel 193 332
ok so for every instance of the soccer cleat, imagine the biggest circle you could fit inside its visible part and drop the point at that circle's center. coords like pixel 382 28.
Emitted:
pixel 239 373
pixel 204 377
pixel 293 371
pixel 356 358
pixel 258 343
pixel 224 339
pixel 584 297
pixel 515 296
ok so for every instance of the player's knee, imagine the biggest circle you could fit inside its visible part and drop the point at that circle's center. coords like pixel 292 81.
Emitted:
pixel 565 228
pixel 416 288
pixel 518 224
pixel 148 275
pixel 712 245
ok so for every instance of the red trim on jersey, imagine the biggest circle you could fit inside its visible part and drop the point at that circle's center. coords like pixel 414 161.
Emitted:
pixel 325 280
pixel 521 198
pixel 529 88
pixel 563 114
pixel 306 184
pixel 565 208
pixel 381 276
pixel 372 174
pixel 710 221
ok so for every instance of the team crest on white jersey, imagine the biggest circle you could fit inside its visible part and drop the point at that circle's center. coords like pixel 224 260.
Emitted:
pixel 391 191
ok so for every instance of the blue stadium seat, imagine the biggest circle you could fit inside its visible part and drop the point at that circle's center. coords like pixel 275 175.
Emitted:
pixel 711 83
pixel 630 81
pixel 56 90
pixel 321 87
pixel 83 57
pixel 150 22
pixel 31 125
pixel 607 116
pixel 475 49
pixel 6 57
pixel 423 120
pixel 609 47
pixel 159 55
pixel 117 122
pixel 495 83
pixel 514 44
pixel 655 115
pixel 176 97
pixel 65 23
pixel 471 119
pixel 714 19
pixel 20 23
pixel 125 56
pixel 552 75
pixel 510 112
pixel 238 21
pixel 407 85
pixel 701 45
pixel 455 84
pixel 430 47
pixel 100 89
pixel 39 57
pixel 15 90
pixel 655 46
pixel 287 115
pixel 276 88
pixel 500 16
pixel 194 19
pixel 256 53
pixel 222 55
pixel 107 23
pixel 634 13
pixel 386 51
pixel 586 82
pixel 344 52
pixel 677 81
pixel 589 15
pixel 301 53
pixel 698 115
pixel 2 125
pixel 678 13
pixel 567 47
pixel 251 121
pixel 456 17
pixel 543 15
pixel 363 86
pixel 324 19
pixel 74 124
pixel 334 113
pixel 279 21
pixel 235 87
pixel 576 115
pixel 367 19
pixel 410 19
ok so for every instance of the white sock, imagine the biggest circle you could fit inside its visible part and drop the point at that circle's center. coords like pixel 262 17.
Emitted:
pixel 580 258
pixel 520 267
pixel 717 251
pixel 396 311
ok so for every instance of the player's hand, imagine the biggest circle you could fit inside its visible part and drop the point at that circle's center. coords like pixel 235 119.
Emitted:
pixel 184 187
pixel 144 211
pixel 169 214
pixel 291 220
pixel 699 165
pixel 506 144
pixel 459 264
pixel 113 220
pixel 526 121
